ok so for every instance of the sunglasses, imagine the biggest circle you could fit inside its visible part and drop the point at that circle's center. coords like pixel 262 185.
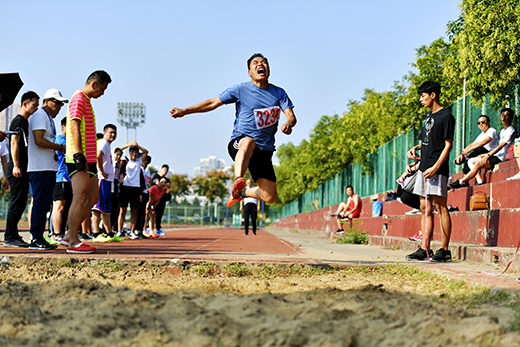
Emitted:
pixel 60 103
pixel 481 122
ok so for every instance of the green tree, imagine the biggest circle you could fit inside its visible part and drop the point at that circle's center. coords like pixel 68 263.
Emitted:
pixel 179 186
pixel 488 47
pixel 212 185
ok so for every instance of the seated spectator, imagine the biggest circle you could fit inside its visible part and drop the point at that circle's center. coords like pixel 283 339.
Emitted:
pixel 484 143
pixel 405 189
pixel 495 155
pixel 348 210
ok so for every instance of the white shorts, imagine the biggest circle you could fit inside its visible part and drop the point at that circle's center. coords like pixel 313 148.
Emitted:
pixel 437 185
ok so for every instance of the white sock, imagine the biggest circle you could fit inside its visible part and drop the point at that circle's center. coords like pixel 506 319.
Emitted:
pixel 479 181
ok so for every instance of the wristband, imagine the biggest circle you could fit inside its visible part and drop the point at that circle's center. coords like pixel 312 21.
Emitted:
pixel 80 161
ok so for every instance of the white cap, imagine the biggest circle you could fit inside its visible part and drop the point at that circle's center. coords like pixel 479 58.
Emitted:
pixel 54 94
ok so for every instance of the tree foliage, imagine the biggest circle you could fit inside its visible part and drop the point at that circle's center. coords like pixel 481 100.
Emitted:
pixel 212 186
pixel 488 47
pixel 180 185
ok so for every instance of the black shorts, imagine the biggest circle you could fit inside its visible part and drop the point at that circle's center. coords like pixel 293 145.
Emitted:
pixel 91 169
pixel 260 163
pixel 62 191
pixel 129 195
pixel 493 161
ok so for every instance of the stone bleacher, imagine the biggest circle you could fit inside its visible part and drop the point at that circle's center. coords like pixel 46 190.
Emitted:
pixel 481 236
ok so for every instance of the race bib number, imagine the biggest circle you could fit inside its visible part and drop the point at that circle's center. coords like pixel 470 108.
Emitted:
pixel 265 117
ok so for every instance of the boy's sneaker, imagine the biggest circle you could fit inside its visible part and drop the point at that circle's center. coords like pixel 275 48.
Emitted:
pixel 16 243
pixel 160 233
pixel 81 248
pixel 41 245
pixel 132 235
pixel 442 255
pixel 50 241
pixel 416 237
pixel 419 254
pixel 100 238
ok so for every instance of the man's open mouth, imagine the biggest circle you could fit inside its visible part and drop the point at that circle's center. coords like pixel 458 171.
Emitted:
pixel 261 71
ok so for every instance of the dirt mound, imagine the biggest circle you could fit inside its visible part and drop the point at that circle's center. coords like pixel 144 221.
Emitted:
pixel 51 304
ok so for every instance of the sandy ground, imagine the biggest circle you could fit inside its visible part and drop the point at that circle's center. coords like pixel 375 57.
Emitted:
pixel 56 303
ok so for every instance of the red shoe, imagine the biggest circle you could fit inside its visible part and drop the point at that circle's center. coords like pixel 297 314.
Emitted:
pixel 416 237
pixel 238 186
pixel 231 200
pixel 81 248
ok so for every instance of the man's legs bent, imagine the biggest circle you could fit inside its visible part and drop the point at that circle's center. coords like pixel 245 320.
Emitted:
pixel 245 150
pixel 265 191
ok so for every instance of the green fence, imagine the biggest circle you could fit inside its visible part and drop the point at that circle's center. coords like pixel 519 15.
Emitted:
pixel 388 163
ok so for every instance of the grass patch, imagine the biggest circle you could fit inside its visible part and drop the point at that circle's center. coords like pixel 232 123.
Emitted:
pixel 353 235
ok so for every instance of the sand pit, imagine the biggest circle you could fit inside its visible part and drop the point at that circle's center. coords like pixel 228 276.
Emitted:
pixel 59 303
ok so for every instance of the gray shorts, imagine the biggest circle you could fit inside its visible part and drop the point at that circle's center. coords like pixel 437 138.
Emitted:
pixel 437 185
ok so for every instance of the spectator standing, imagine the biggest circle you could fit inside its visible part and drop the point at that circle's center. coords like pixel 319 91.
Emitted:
pixel 249 206
pixel 42 166
pixel 432 176
pixel 17 169
pixel 167 196
pixel 3 157
pixel 62 193
pixel 144 180
pixel 114 214
pixel 81 156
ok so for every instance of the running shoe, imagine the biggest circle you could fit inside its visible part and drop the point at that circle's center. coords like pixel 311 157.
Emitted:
pixel 16 243
pixel 85 236
pixel 515 177
pixel 416 237
pixel 114 238
pixel 101 238
pixel 419 254
pixel 133 235
pixel 442 255
pixel 238 186
pixel 148 233
pixel 50 241
pixel 457 185
pixel 64 242
pixel 160 233
pixel 121 234
pixel 81 248
pixel 41 245
pixel 231 200
pixel 335 214
pixel 412 212
pixel 339 232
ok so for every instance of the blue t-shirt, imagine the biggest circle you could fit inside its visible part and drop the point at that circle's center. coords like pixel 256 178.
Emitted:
pixel 257 111
pixel 63 174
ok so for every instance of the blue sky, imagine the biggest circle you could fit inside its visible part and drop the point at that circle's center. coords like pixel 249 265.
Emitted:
pixel 177 53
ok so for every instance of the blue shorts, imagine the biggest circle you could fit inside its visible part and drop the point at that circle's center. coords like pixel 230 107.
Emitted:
pixel 104 205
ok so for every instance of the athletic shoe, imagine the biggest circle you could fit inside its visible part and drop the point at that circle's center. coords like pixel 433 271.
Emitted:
pixel 50 241
pixel 81 248
pixel 132 235
pixel 457 185
pixel 453 209
pixel 231 200
pixel 147 233
pixel 121 234
pixel 416 237
pixel 335 214
pixel 56 238
pixel 114 238
pixel 85 236
pixel 41 245
pixel 442 255
pixel 16 243
pixel 419 254
pixel 515 177
pixel 344 219
pixel 412 212
pixel 64 242
pixel 101 238
pixel 238 186
pixel 160 233
pixel 339 232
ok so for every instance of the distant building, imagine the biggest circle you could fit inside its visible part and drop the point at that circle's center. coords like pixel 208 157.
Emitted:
pixel 7 115
pixel 209 164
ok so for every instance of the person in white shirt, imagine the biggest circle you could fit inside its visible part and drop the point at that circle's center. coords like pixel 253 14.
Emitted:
pixel 496 155
pixel 250 209
pixel 3 157
pixel 484 143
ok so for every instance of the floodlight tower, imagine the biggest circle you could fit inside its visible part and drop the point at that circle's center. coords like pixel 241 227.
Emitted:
pixel 131 115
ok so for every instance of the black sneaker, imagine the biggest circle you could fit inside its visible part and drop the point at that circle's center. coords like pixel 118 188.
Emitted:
pixel 442 255
pixel 457 185
pixel 41 245
pixel 419 254
pixel 16 243
pixel 85 237
pixel 335 214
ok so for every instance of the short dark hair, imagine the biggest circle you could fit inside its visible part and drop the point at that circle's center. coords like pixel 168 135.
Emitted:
pixel 508 112
pixel 255 56
pixel 28 96
pixel 117 149
pixel 487 118
pixel 164 178
pixel 109 126
pixel 99 136
pixel 99 76
pixel 64 121
pixel 166 166
pixel 133 148
pixel 350 188
pixel 149 159
pixel 430 87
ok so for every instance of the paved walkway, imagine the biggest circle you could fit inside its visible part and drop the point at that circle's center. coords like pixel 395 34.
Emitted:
pixel 272 246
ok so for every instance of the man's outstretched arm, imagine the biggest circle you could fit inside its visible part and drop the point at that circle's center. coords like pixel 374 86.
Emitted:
pixel 201 107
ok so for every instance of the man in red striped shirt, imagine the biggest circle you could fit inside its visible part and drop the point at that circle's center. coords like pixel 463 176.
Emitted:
pixel 81 156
